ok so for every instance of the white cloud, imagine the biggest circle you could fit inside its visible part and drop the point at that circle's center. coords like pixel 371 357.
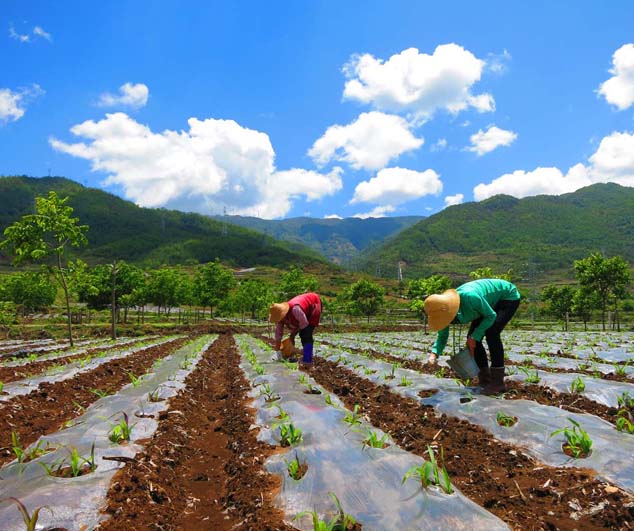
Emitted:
pixel 130 95
pixel 12 104
pixel 498 63
pixel 619 89
pixel 332 216
pixel 21 37
pixel 612 162
pixel 440 144
pixel 213 165
pixel 37 30
pixel 369 142
pixel 486 141
pixel 418 83
pixel 394 186
pixel 378 212
pixel 451 200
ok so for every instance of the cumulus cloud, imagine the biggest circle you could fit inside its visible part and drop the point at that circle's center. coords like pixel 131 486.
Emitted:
pixel 36 32
pixel 619 89
pixel 13 104
pixel 130 95
pixel 418 83
pixel 393 186
pixel 369 142
pixel 612 162
pixel 451 200
pixel 332 216
pixel 213 165
pixel 440 144
pixel 486 141
pixel 378 212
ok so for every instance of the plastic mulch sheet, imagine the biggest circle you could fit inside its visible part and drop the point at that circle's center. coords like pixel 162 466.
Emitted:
pixel 367 481
pixel 74 503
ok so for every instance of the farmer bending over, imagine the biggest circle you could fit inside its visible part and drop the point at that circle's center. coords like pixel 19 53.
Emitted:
pixel 300 314
pixel 488 304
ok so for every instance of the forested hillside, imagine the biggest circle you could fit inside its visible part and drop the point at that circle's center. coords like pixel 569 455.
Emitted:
pixel 536 236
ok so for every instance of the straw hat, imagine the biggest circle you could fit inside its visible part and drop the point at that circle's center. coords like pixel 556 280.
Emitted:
pixel 278 311
pixel 441 309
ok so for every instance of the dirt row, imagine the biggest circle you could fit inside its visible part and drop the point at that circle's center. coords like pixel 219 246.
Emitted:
pixel 11 374
pixel 576 403
pixel 51 405
pixel 203 468
pixel 524 493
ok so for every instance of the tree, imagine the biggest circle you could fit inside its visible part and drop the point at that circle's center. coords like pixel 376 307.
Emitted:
pixel 366 298
pixel 44 235
pixel 295 282
pixel 606 277
pixel 8 315
pixel 582 304
pixel 253 296
pixel 30 291
pixel 164 287
pixel 213 282
pixel 559 301
pixel 419 289
pixel 487 272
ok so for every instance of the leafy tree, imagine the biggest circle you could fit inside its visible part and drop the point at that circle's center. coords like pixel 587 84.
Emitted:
pixel 559 301
pixel 213 282
pixel 165 286
pixel 487 272
pixel 46 235
pixel 366 298
pixel 606 277
pixel 30 291
pixel 253 296
pixel 419 289
pixel 294 282
pixel 583 302
pixel 8 315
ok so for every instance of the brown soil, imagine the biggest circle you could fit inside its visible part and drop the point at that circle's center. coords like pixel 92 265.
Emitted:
pixel 524 493
pixel 48 408
pixel 11 374
pixel 203 468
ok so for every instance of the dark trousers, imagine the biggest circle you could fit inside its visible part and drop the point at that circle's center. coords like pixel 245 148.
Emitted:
pixel 306 334
pixel 505 310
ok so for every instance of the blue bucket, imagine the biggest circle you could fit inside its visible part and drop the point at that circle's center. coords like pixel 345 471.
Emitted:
pixel 464 365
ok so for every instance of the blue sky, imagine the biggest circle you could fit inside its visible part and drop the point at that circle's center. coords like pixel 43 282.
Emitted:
pixel 330 108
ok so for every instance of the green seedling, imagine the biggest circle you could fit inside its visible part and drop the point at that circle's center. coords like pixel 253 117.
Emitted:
pixel 268 393
pixel 624 422
pixel 259 370
pixel 302 378
pixel 624 400
pixel 429 473
pixel 621 370
pixel 100 393
pixel 505 420
pixel 312 390
pixel 353 417
pixel 283 416
pixel 295 468
pixel 578 442
pixel 134 380
pixel 440 373
pixel 329 400
pixel 367 371
pixel 29 519
pixel 24 456
pixel 577 386
pixel 185 365
pixel 374 441
pixel 1 388
pixel 121 431
pixel 291 365
pixel 340 522
pixel 155 396
pixel 289 434
pixel 532 377
pixel 405 382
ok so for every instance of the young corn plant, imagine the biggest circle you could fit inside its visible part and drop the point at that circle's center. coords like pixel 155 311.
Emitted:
pixel 621 370
pixel 429 473
pixel 134 380
pixel 24 456
pixel 373 440
pixel 121 431
pixel 1 388
pixel 505 420
pixel 578 442
pixel 340 522
pixel 29 519
pixel 532 377
pixel 259 370
pixel 289 434
pixel 295 468
pixel 577 386
pixel 268 393
pixel 440 373
pixel 405 382
pixel 283 417
pixel 329 400
pixel 624 400
pixel 353 417
pixel 624 422
pixel 155 396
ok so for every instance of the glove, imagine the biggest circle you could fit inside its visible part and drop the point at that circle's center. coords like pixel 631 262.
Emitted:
pixel 471 343
pixel 433 358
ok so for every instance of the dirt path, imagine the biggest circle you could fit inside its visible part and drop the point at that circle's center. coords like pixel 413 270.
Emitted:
pixel 48 408
pixel 203 469
pixel 524 493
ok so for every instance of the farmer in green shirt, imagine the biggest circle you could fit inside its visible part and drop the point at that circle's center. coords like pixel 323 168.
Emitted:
pixel 488 304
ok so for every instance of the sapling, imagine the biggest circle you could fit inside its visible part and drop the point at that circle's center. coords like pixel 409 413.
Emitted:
pixel 578 442
pixel 430 474
pixel 30 520
pixel 624 422
pixel 577 386
pixel 353 417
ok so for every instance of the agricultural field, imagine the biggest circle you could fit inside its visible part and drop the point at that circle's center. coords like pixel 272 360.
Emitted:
pixel 211 432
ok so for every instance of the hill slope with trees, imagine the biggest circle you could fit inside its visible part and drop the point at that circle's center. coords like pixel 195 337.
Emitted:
pixel 120 230
pixel 536 236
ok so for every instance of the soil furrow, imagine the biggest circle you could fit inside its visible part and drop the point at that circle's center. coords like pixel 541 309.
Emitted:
pixel 497 476
pixel 203 468
pixel 48 408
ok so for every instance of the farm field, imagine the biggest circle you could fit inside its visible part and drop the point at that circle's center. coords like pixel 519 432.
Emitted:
pixel 205 432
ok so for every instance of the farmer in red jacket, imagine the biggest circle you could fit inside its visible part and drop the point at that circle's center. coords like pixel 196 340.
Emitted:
pixel 300 314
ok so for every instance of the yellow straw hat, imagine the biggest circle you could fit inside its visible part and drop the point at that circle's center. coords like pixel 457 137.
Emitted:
pixel 441 309
pixel 277 311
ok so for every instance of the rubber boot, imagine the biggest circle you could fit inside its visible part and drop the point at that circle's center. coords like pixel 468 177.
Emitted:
pixel 307 358
pixel 497 382
pixel 484 377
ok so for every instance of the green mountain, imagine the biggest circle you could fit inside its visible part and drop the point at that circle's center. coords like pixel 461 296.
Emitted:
pixel 536 236
pixel 121 230
pixel 340 240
